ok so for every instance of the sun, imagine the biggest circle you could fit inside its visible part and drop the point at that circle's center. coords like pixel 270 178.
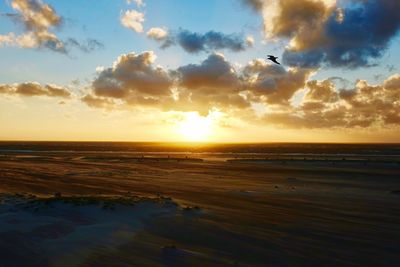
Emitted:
pixel 195 128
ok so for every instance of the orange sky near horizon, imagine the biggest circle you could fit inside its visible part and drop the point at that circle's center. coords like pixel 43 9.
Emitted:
pixel 149 71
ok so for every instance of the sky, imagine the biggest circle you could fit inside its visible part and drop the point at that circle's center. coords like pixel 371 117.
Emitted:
pixel 178 70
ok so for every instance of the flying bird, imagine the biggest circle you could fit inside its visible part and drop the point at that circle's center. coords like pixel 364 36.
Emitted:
pixel 273 59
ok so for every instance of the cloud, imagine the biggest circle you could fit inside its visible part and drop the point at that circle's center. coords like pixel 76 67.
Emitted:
pixel 250 40
pixel 256 5
pixel 89 46
pixel 214 72
pixel 30 89
pixel 37 18
pixel 324 91
pixel 36 15
pixel 7 39
pixel 214 84
pixel 273 83
pixel 193 42
pixel 97 102
pixel 6 89
pixel 139 3
pixel 133 20
pixel 393 83
pixel 157 34
pixel 132 75
pixel 363 106
pixel 348 34
pixel 135 81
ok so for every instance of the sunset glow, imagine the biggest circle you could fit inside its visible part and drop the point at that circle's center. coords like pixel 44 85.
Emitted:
pixel 121 72
pixel 199 133
pixel 195 128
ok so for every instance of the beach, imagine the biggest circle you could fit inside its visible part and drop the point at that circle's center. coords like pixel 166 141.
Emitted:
pixel 199 208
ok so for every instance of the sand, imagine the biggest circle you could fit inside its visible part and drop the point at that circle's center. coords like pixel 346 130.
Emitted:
pixel 64 231
pixel 253 212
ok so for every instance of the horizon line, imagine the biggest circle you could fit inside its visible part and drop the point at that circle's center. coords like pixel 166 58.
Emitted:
pixel 196 142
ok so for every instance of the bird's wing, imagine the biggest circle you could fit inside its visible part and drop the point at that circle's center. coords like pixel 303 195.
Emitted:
pixel 275 61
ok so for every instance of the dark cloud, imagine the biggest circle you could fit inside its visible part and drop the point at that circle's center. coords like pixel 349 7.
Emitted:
pixel 214 83
pixel 57 91
pixel 272 82
pixel 324 91
pixel 193 42
pixel 347 34
pixel 35 89
pixel 211 84
pixel 390 68
pixel 134 81
pixel 308 59
pixel 363 106
pixel 132 74
pixel 364 33
pixel 214 72
pixel 254 4
pixel 88 46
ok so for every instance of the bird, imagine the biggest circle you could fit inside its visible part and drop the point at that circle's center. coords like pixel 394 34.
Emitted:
pixel 273 59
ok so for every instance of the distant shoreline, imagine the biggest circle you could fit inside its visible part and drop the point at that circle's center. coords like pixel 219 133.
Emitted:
pixel 317 149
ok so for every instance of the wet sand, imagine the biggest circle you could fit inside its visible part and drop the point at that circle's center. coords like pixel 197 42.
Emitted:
pixel 242 212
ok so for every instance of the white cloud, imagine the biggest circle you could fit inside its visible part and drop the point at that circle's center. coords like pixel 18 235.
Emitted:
pixel 157 34
pixel 7 39
pixel 139 3
pixel 250 40
pixel 133 20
